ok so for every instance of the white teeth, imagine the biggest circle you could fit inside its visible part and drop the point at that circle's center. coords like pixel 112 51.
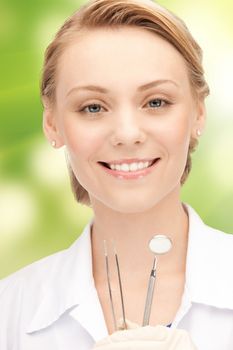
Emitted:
pixel 124 167
pixel 130 167
pixel 140 165
pixel 133 167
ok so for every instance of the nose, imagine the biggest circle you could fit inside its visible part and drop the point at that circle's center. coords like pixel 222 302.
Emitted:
pixel 127 129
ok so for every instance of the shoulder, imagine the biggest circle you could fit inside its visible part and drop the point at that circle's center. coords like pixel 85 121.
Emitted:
pixel 34 269
pixel 20 295
pixel 217 243
pixel 209 245
pixel 218 236
pixel 25 289
pixel 202 234
pixel 219 246
pixel 45 269
pixel 29 280
pixel 209 263
pixel 37 295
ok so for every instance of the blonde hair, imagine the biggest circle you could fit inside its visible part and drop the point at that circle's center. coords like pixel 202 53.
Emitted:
pixel 114 13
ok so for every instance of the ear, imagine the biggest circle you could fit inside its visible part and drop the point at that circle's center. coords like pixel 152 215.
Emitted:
pixel 199 118
pixel 50 123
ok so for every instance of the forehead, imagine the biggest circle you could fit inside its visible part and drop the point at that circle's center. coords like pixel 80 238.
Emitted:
pixel 116 56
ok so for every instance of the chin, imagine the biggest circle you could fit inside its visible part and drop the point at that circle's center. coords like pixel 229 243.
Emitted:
pixel 135 201
pixel 132 205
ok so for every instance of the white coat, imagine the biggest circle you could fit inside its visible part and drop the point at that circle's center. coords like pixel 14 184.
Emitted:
pixel 53 304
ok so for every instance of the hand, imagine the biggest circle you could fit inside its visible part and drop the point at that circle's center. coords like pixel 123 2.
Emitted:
pixel 146 338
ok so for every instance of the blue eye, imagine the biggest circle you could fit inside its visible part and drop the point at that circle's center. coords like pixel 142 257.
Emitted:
pixel 96 108
pixel 93 108
pixel 156 103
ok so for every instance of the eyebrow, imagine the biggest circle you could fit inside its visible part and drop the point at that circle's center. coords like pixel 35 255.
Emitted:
pixel 103 90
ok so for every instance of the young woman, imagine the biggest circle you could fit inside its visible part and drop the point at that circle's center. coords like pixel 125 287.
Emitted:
pixel 123 90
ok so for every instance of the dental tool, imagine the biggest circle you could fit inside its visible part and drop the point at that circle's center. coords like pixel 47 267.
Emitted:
pixel 109 285
pixel 120 286
pixel 159 244
pixel 124 326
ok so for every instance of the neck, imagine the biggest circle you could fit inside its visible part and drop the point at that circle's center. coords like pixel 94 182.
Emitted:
pixel 132 232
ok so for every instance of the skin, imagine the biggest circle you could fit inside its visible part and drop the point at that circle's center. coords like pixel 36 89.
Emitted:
pixel 128 124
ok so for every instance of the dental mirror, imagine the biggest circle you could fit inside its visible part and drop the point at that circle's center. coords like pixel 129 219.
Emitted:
pixel 160 244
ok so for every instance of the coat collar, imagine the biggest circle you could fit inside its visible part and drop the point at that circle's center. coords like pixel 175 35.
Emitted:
pixel 70 284
pixel 209 264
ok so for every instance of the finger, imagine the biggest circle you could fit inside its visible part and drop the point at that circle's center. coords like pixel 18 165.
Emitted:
pixel 129 324
pixel 133 345
pixel 181 340
pixel 148 333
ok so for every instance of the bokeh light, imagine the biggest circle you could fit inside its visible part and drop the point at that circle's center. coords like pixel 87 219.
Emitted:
pixel 18 211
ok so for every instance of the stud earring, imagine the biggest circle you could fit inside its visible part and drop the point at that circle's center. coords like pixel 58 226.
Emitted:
pixel 53 143
pixel 198 132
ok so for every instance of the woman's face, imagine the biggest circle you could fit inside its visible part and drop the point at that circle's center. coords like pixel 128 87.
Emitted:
pixel 123 98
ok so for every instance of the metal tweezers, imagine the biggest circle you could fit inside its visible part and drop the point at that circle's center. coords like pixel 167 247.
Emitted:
pixel 150 289
pixel 110 289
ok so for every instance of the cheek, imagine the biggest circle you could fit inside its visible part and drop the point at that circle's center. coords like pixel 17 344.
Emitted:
pixel 175 140
pixel 82 140
pixel 180 137
pixel 176 134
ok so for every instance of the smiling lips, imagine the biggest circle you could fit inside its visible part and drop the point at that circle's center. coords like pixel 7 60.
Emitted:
pixel 133 168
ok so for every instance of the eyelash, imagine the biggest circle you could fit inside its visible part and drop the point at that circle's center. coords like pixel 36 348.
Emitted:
pixel 164 103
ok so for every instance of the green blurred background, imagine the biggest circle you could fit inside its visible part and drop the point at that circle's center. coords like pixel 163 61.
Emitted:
pixel 38 214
